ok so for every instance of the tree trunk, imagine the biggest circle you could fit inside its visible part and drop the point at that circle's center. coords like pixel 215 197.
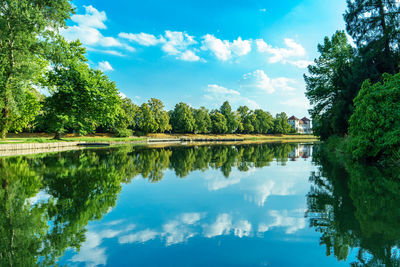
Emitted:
pixel 57 136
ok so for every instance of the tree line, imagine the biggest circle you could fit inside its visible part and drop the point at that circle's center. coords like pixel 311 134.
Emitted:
pixel 353 88
pixel 35 58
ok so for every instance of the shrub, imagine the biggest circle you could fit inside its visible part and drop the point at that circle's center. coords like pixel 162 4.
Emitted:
pixel 375 123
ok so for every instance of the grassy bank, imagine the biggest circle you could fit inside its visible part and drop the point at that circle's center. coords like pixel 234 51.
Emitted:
pixel 48 138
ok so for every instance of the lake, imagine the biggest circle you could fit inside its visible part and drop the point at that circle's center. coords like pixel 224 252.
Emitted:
pixel 204 205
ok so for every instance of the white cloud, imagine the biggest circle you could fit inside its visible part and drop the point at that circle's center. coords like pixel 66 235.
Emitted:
pixel 223 49
pixel 302 64
pixel 222 226
pixel 259 79
pixel 242 228
pixel 88 32
pixel 176 42
pixel 93 18
pixel 105 66
pixel 139 237
pixel 188 56
pixel 263 10
pixel 241 47
pixel 292 49
pixel 220 90
pixel 293 221
pixel 144 39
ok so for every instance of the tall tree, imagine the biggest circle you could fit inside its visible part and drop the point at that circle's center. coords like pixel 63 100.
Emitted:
pixel 82 98
pixel 231 119
pixel 145 119
pixel 26 29
pixel 160 115
pixel 281 125
pixel 182 120
pixel 218 122
pixel 330 87
pixel 264 122
pixel 374 25
pixel 202 120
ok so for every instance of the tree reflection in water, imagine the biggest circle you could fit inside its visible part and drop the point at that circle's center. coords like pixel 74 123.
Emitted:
pixel 356 207
pixel 81 186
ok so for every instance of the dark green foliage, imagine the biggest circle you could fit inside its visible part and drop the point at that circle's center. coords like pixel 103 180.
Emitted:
pixel 375 124
pixel 281 125
pixel 355 209
pixel 182 119
pixel 328 86
pixel 232 122
pixel 27 31
pixel 264 122
pixel 82 98
pixel 218 122
pixel 202 120
pixel 145 119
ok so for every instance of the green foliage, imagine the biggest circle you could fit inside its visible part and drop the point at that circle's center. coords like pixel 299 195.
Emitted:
pixel 281 125
pixel 27 29
pixel 182 119
pixel 160 115
pixel 202 120
pixel 145 119
pixel 374 26
pixel 82 98
pixel 218 122
pixel 264 122
pixel 232 121
pixel 375 124
pixel 328 87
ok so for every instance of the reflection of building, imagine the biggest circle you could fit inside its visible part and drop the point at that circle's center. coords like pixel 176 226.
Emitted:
pixel 301 151
pixel 301 126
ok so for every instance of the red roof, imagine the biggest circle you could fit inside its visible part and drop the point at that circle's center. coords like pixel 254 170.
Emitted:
pixel 293 118
pixel 305 119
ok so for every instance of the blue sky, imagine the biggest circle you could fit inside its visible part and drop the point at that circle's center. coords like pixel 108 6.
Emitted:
pixel 250 52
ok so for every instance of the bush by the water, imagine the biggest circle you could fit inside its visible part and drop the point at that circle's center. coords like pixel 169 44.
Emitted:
pixel 375 124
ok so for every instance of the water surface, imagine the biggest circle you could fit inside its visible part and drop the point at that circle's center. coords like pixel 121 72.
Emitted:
pixel 224 205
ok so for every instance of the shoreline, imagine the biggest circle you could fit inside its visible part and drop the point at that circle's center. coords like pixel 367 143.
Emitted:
pixel 15 149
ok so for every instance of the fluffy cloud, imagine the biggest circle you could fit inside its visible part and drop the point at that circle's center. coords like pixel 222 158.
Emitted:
pixel 222 226
pixel 223 49
pixel 144 39
pixel 139 237
pixel 259 79
pixel 188 56
pixel 283 55
pixel 88 32
pixel 93 18
pixel 293 221
pixel 105 66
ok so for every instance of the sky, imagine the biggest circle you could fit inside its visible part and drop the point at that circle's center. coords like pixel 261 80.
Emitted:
pixel 249 52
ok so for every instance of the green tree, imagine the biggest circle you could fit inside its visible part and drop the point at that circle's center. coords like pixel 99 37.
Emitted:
pixel 247 120
pixel 232 121
pixel 182 119
pixel 218 122
pixel 82 98
pixel 202 120
pixel 374 26
pixel 375 125
pixel 329 87
pixel 264 122
pixel 160 115
pixel 281 125
pixel 145 120
pixel 26 30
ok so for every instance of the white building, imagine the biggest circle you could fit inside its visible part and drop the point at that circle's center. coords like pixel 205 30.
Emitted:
pixel 301 126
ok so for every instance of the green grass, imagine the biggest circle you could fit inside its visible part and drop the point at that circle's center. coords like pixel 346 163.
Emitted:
pixel 71 139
